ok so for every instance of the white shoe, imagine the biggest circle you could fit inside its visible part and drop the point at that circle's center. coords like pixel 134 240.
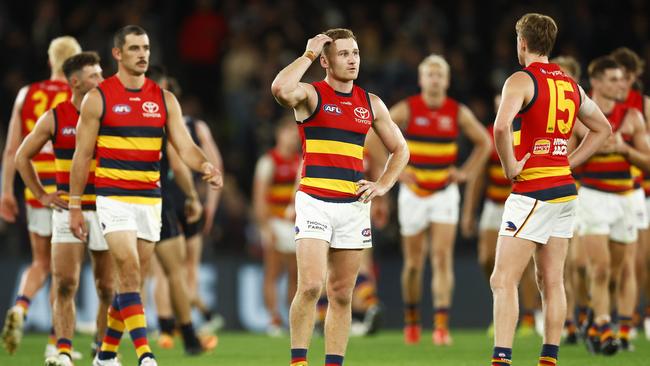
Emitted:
pixel 148 361
pixel 539 322
pixel 58 360
pixel 52 351
pixel 274 331
pixel 111 362
pixel 213 326
pixel 634 333
pixel 646 327
pixel 358 329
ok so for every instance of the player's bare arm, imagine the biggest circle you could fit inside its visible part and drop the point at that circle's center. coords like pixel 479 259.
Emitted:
pixel 599 130
pixel 638 153
pixel 578 133
pixel 393 140
pixel 261 183
pixel 31 145
pixel 473 192
pixel 480 138
pixel 400 114
pixel 211 150
pixel 180 138
pixel 183 178
pixel 287 89
pixel 8 205
pixel 92 108
pixel 518 89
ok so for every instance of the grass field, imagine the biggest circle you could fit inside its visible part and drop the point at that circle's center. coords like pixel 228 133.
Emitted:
pixel 238 348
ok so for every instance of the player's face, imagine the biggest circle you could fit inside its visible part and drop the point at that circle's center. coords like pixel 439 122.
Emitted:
pixel 610 84
pixel 90 76
pixel 433 79
pixel 629 78
pixel 342 59
pixel 134 55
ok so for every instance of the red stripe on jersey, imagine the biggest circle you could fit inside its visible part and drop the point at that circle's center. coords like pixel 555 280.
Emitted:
pixel 125 184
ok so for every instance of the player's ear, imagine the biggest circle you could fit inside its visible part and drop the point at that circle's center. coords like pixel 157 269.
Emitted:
pixel 117 53
pixel 324 62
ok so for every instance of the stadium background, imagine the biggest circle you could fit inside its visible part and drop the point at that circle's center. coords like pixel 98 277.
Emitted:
pixel 225 55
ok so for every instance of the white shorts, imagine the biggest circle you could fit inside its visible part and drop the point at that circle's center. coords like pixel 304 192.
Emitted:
pixel 39 221
pixel 527 218
pixel 343 225
pixel 491 216
pixel 640 209
pixel 647 208
pixel 116 215
pixel 62 233
pixel 416 213
pixel 283 230
pixel 602 213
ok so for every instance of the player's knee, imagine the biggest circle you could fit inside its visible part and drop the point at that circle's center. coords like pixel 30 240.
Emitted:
pixel 340 295
pixel 66 286
pixel 600 273
pixel 499 281
pixel 310 290
pixel 105 290
pixel 42 265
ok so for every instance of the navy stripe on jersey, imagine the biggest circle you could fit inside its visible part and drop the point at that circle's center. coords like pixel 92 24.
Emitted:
pixel 329 172
pixel 443 140
pixel 552 193
pixel 334 134
pixel 111 191
pixel 90 189
pixel 516 124
pixel 131 131
pixel 48 181
pixel 430 166
pixel 64 154
pixel 608 175
pixel 129 164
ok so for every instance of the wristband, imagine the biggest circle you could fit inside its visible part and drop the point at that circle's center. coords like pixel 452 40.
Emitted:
pixel 73 206
pixel 311 55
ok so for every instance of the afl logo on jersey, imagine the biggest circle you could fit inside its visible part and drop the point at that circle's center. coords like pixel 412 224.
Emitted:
pixel 422 121
pixel 361 112
pixel 332 109
pixel 445 123
pixel 68 131
pixel 122 109
pixel 150 109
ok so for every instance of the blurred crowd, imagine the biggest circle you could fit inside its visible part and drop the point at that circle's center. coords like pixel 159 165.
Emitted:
pixel 226 53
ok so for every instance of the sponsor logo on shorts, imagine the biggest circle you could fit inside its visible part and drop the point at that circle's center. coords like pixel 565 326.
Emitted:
pixel 510 226
pixel 103 226
pixel 366 232
pixel 316 226
pixel 542 147
pixel 122 109
pixel 296 229
pixel 332 109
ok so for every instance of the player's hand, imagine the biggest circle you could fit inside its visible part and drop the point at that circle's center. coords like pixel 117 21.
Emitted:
pixel 54 200
pixel 78 224
pixel 519 166
pixel 620 146
pixel 212 175
pixel 193 210
pixel 468 226
pixel 407 177
pixel 317 43
pixel 457 175
pixel 379 212
pixel 369 190
pixel 8 208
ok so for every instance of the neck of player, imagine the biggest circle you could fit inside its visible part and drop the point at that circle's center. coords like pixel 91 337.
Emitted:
pixel 605 104
pixel 59 76
pixel 338 85
pixel 76 99
pixel 129 80
pixel 433 100
pixel 530 58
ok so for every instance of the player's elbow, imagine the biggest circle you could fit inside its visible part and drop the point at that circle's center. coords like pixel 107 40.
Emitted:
pixel 282 94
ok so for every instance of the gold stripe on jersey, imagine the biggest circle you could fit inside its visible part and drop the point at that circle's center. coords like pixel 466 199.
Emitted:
pixel 544 172
pixel 132 175
pixel 334 147
pixel 563 199
pixel 130 143
pixel 44 166
pixel 137 199
pixel 516 138
pixel 497 191
pixel 431 148
pixel 610 158
pixel 64 165
pixel 338 185
pixel 281 190
pixel 428 175
pixel 84 197
pixel 496 172
pixel 48 189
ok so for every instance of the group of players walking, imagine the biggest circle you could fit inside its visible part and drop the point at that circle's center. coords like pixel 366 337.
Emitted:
pixel 94 174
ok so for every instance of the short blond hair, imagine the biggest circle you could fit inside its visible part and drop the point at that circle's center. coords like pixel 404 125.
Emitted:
pixel 539 31
pixel 62 48
pixel 436 60
pixel 570 66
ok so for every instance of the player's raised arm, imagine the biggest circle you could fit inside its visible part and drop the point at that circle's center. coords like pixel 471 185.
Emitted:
pixel 599 129
pixel 512 100
pixel 31 145
pixel 393 140
pixel 286 87
pixel 8 205
pixel 180 138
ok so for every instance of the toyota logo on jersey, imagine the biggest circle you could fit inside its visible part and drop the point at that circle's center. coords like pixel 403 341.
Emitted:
pixel 150 107
pixel 361 112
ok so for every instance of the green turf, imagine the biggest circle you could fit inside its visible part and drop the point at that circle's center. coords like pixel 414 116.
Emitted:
pixel 470 348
